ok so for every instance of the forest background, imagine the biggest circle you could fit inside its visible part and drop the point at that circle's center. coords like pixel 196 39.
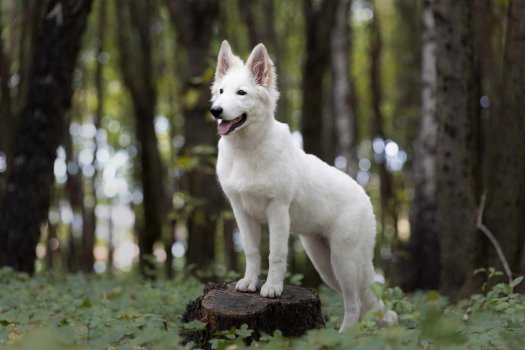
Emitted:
pixel 107 148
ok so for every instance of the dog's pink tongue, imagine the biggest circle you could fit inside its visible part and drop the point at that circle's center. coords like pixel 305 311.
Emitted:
pixel 224 127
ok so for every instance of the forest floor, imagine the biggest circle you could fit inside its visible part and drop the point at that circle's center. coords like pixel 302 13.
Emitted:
pixel 79 312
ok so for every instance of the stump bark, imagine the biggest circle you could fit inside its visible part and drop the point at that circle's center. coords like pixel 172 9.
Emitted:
pixel 297 310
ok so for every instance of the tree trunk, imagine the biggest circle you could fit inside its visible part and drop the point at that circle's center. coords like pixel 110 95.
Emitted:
pixel 505 211
pixel 296 311
pixel 139 80
pixel 194 22
pixel 407 54
pixel 345 123
pixel 319 20
pixel 247 13
pixel 424 238
pixel 388 204
pixel 90 219
pixel 6 119
pixel 41 128
pixel 457 140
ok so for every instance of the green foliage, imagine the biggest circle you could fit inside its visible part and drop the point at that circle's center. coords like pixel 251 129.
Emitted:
pixel 80 312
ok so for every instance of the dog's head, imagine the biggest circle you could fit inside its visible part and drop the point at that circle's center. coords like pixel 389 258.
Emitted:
pixel 243 95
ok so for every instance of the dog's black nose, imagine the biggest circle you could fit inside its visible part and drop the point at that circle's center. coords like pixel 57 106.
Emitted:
pixel 216 111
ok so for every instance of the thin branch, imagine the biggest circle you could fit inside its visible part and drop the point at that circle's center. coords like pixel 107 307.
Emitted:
pixel 493 240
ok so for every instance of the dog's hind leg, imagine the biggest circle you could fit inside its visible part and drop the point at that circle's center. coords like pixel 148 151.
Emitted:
pixel 369 301
pixel 318 251
pixel 345 263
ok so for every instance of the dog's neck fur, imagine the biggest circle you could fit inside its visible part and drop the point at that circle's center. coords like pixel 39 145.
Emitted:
pixel 251 136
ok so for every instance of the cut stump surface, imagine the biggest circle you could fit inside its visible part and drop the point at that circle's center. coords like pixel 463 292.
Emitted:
pixel 297 310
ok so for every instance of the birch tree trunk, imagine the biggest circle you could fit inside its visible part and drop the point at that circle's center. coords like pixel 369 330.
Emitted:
pixel 42 121
pixel 457 140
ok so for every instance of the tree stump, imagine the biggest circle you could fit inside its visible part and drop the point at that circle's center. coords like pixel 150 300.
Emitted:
pixel 297 310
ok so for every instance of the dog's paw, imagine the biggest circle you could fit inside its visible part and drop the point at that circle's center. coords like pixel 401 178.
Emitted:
pixel 390 317
pixel 271 290
pixel 247 284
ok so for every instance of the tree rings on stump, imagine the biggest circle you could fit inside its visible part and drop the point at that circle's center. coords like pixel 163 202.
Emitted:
pixel 297 310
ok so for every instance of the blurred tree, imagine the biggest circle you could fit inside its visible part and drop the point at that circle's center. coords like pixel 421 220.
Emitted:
pixel 6 119
pixel 388 202
pixel 505 211
pixel 457 140
pixel 42 121
pixel 194 24
pixel 345 124
pixel 424 239
pixel 89 217
pixel 407 58
pixel 319 21
pixel 248 16
pixel 135 21
pixel 75 193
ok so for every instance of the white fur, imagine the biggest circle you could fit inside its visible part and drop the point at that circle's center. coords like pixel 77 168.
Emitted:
pixel 269 180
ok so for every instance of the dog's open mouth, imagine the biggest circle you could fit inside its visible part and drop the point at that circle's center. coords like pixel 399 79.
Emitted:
pixel 225 127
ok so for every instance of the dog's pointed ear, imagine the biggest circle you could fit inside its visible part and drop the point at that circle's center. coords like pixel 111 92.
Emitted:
pixel 225 60
pixel 261 66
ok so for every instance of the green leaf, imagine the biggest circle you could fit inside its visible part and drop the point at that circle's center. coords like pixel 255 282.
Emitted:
pixel 377 288
pixel 516 282
pixel 194 325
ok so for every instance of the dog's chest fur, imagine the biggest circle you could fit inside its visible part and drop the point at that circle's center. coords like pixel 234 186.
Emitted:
pixel 251 178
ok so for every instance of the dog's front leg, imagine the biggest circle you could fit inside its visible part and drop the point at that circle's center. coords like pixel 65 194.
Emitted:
pixel 279 225
pixel 250 231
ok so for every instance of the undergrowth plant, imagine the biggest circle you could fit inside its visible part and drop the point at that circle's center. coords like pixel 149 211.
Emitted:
pixel 91 312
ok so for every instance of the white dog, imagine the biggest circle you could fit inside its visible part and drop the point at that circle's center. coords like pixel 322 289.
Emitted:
pixel 269 180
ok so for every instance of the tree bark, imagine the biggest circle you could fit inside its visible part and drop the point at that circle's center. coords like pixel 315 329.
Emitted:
pixel 424 238
pixel 42 123
pixel 194 22
pixel 319 20
pixel 505 212
pixel 457 140
pixel 345 123
pixel 139 80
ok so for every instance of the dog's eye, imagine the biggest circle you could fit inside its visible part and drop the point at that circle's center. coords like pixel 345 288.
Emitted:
pixel 221 91
pixel 241 92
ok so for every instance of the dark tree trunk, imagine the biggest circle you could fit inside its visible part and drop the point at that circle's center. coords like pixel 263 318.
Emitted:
pixel 6 118
pixel 424 238
pixel 457 151
pixel 248 16
pixel 505 211
pixel 139 80
pixel 319 20
pixel 90 219
pixel 407 54
pixel 229 246
pixel 75 194
pixel 194 22
pixel 388 204
pixel 221 308
pixel 41 128
pixel 345 123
